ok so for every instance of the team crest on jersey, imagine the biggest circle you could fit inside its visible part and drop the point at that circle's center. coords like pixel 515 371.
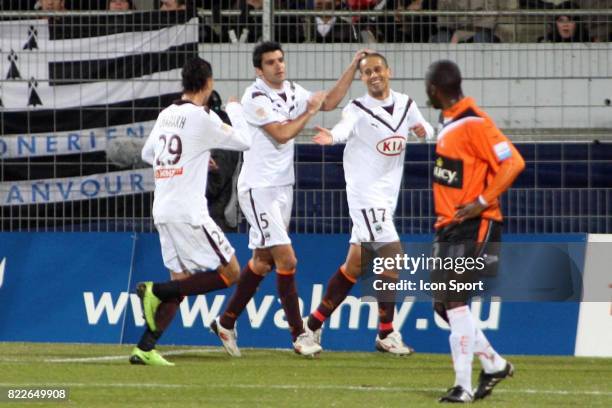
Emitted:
pixel 261 113
pixel 391 146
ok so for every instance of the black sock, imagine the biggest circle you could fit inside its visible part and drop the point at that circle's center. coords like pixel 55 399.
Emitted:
pixel 148 340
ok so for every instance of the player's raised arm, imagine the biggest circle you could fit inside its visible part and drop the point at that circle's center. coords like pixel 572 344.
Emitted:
pixel 337 93
pixel 284 132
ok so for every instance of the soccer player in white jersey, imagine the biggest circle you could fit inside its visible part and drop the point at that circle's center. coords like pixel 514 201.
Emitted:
pixel 194 249
pixel 276 110
pixel 375 128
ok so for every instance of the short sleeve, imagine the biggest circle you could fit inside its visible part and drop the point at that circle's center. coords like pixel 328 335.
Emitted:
pixel 259 111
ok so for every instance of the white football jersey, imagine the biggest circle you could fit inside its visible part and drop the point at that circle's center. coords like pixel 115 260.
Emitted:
pixel 375 132
pixel 179 150
pixel 269 163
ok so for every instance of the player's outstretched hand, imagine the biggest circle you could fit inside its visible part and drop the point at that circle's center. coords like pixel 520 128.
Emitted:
pixel 324 137
pixel 419 130
pixel 316 101
pixel 233 99
pixel 467 211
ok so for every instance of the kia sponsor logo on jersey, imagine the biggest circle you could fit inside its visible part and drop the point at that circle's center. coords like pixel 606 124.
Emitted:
pixel 391 146
pixel 448 172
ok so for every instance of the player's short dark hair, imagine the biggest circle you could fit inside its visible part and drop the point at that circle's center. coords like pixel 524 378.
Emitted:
pixel 261 49
pixel 446 76
pixel 374 54
pixel 196 72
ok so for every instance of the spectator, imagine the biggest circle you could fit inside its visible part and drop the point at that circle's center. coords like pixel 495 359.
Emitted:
pixel 330 29
pixel 374 29
pixel 222 178
pixel 599 26
pixel 566 28
pixel 50 5
pixel 172 5
pixel 455 29
pixel 120 5
pixel 248 28
pixel 213 29
pixel 411 28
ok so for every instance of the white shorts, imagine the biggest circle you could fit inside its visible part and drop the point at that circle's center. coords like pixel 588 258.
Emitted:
pixel 194 248
pixel 372 225
pixel 268 211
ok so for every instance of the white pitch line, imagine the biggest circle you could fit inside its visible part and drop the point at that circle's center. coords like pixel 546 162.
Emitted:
pixel 124 356
pixel 296 387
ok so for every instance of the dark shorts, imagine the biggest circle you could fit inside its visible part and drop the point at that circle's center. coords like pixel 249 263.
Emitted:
pixel 476 239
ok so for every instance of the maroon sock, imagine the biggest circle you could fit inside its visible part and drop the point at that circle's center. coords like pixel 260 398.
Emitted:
pixel 338 288
pixel 165 313
pixel 246 288
pixel 195 284
pixel 200 283
pixel 163 317
pixel 289 299
pixel 386 308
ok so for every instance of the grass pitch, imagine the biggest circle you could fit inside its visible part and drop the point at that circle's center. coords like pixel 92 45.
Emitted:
pixel 100 376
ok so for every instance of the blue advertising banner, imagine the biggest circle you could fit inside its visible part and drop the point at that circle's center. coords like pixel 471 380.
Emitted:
pixel 78 287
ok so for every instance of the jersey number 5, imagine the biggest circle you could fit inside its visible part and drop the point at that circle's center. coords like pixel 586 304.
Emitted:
pixel 173 146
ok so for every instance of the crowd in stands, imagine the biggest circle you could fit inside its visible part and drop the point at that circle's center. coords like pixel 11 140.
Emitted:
pixel 390 27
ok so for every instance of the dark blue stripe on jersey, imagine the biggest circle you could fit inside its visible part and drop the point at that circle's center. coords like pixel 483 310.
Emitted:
pixel 129 66
pixel 256 94
pixel 381 120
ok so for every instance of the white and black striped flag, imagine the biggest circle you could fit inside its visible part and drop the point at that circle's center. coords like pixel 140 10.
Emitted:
pixel 69 85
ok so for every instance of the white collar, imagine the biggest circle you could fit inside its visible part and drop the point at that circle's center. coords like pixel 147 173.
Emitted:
pixel 370 101
pixel 261 84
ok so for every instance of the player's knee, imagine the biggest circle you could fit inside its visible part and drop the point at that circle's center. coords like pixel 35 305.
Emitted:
pixel 230 272
pixel 260 267
pixel 287 263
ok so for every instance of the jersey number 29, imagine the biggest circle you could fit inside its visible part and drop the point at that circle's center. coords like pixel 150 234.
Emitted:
pixel 173 146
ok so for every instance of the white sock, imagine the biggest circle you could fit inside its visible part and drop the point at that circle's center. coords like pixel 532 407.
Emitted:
pixel 489 359
pixel 463 330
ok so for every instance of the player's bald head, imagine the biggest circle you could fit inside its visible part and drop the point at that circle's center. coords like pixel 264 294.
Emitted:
pixel 446 77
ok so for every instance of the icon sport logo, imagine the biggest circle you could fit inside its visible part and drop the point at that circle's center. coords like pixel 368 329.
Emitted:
pixel 391 146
